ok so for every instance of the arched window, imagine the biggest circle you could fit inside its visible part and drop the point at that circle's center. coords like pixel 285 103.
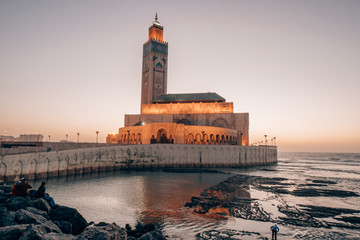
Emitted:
pixel 190 139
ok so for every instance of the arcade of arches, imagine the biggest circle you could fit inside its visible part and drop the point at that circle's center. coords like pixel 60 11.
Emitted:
pixel 174 133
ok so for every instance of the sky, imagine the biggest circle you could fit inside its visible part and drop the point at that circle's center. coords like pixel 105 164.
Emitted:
pixel 75 66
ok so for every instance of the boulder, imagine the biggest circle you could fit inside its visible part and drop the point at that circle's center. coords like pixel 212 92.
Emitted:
pixel 7 217
pixel 33 232
pixel 70 215
pixel 58 236
pixel 16 203
pixel 22 216
pixel 38 211
pixel 108 231
pixel 3 198
pixel 64 226
pixel 12 232
pixel 6 189
pixel 41 204
pixel 153 235
pixel 33 194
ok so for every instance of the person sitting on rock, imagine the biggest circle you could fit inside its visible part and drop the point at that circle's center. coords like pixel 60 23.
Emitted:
pixel 13 189
pixel 41 193
pixel 274 230
pixel 21 188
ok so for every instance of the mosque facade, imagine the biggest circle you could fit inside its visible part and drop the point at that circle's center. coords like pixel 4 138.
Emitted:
pixel 186 118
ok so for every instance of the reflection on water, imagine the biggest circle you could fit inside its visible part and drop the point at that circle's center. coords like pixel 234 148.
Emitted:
pixel 127 197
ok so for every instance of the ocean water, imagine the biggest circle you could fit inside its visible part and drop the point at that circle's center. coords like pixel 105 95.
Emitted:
pixel 158 196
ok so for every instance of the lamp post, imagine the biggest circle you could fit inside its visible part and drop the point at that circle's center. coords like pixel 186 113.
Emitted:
pixel 49 138
pixel 265 139
pixel 272 141
pixel 78 134
pixel 275 141
pixel 97 136
pixel 67 137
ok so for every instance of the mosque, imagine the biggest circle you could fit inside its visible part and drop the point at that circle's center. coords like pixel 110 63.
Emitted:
pixel 185 118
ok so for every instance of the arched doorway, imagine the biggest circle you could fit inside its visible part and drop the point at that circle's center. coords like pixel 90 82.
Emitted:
pixel 162 136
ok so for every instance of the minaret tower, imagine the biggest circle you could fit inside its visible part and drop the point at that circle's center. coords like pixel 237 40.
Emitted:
pixel 154 67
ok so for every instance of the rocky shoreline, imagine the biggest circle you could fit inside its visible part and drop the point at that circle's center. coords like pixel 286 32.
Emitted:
pixel 232 197
pixel 31 218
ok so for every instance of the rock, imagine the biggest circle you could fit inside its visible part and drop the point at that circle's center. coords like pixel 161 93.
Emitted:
pixel 12 232
pixel 64 226
pixel 41 204
pixel 33 232
pixel 109 231
pixel 153 235
pixel 58 236
pixel 16 203
pixel 38 211
pixel 70 215
pixel 33 194
pixel 7 217
pixel 3 198
pixel 6 189
pixel 22 216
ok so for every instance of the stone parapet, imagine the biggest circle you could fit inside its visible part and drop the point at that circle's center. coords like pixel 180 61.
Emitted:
pixel 110 158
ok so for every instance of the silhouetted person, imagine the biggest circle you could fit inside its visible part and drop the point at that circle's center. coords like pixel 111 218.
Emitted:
pixel 274 230
pixel 42 193
pixel 21 188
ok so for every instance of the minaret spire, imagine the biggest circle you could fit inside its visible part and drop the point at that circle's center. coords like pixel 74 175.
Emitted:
pixel 156 18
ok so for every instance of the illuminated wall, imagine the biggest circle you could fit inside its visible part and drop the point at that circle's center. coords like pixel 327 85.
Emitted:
pixel 187 108
pixel 176 134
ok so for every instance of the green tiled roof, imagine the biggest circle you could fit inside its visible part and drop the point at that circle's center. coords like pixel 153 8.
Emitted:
pixel 190 97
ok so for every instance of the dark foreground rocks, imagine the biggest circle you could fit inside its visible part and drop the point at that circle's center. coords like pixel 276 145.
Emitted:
pixel 32 218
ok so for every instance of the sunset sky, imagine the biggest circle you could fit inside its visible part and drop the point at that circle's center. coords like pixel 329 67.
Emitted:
pixel 75 66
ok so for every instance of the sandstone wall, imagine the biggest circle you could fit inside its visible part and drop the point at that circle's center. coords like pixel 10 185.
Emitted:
pixel 78 161
pixel 187 108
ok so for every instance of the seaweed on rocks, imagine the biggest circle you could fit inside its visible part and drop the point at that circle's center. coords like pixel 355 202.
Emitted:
pixel 229 234
pixel 316 192
pixel 325 212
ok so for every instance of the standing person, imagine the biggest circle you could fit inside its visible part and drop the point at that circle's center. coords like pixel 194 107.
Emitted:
pixel 21 188
pixel 274 230
pixel 42 193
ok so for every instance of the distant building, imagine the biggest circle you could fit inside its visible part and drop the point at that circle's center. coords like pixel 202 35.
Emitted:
pixel 187 118
pixel 24 140
pixel 31 138
pixel 7 138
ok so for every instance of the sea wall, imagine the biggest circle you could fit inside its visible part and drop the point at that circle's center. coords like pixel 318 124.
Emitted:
pixel 109 158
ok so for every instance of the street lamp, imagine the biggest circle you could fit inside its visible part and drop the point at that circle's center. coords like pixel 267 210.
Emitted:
pixel 78 134
pixel 265 139
pixel 67 137
pixel 275 141
pixel 272 141
pixel 97 136
pixel 49 138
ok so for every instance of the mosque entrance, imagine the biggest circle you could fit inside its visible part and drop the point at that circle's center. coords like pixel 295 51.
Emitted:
pixel 162 136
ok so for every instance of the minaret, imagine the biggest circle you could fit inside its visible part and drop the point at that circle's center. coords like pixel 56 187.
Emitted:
pixel 154 67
